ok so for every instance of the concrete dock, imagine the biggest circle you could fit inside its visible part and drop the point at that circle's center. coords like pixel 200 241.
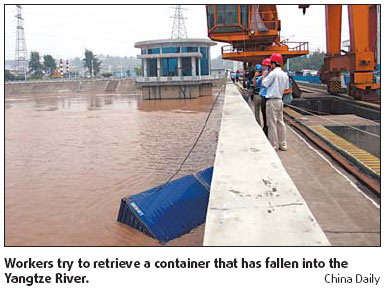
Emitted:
pixel 347 215
pixel 319 197
pixel 253 200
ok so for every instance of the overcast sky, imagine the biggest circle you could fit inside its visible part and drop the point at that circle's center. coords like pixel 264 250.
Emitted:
pixel 64 31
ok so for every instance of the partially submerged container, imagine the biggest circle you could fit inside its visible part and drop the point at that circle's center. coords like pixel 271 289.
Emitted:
pixel 169 210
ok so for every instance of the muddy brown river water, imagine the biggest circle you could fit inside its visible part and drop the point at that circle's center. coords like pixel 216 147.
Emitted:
pixel 69 159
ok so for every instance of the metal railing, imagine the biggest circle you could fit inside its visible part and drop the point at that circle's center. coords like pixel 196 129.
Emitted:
pixel 259 46
pixel 296 46
pixel 178 78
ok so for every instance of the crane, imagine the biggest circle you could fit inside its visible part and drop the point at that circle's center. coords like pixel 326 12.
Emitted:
pixel 360 60
pixel 253 33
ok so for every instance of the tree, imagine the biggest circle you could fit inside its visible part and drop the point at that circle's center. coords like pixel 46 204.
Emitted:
pixel 49 64
pixel 8 76
pixel 34 65
pixel 91 62
pixel 138 71
pixel 312 61
pixel 106 74
pixel 128 73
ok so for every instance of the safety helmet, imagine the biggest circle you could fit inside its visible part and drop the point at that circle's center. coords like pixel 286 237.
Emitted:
pixel 276 58
pixel 258 67
pixel 266 62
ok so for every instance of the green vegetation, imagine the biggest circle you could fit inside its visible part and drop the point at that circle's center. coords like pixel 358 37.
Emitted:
pixel 138 71
pixel 34 65
pixel 313 61
pixel 106 74
pixel 92 63
pixel 49 64
pixel 128 73
pixel 8 76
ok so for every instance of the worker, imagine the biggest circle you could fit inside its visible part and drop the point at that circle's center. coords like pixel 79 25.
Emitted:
pixel 232 77
pixel 257 100
pixel 266 67
pixel 276 82
pixel 249 83
pixel 237 76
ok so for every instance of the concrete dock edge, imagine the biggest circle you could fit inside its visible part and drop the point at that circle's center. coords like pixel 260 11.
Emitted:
pixel 253 201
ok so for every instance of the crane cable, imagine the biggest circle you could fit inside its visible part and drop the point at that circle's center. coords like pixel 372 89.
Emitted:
pixel 158 188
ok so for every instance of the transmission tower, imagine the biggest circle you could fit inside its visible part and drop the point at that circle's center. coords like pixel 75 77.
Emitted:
pixel 178 27
pixel 21 48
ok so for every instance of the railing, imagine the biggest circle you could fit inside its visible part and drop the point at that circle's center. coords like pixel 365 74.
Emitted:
pixel 177 78
pixel 296 46
pixel 260 46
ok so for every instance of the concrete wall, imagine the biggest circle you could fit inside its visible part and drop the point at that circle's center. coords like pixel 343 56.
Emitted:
pixel 253 201
pixel 338 105
pixel 64 86
pixel 176 91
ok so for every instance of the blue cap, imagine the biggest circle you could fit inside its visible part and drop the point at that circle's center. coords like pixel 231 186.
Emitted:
pixel 258 67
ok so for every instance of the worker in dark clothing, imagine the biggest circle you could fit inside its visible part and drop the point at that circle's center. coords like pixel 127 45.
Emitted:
pixel 257 100
pixel 266 66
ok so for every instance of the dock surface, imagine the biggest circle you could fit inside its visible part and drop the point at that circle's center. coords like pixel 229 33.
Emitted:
pixel 253 200
pixel 347 215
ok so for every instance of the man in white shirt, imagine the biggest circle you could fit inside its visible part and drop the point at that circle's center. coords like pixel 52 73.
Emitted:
pixel 277 81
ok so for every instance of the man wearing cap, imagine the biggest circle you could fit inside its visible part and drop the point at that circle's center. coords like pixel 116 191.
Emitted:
pixel 276 82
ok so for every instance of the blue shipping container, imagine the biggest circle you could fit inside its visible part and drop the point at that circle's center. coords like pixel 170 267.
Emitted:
pixel 170 210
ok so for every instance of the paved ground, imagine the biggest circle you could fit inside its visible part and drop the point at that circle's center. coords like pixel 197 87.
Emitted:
pixel 343 211
pixel 347 217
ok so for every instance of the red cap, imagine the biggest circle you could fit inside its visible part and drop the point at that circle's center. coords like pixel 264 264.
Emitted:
pixel 277 58
pixel 266 62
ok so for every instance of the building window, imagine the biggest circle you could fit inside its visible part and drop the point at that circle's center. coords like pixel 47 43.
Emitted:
pixel 152 51
pixel 144 51
pixel 171 50
pixel 189 49
pixel 210 17
pixel 244 15
pixel 152 68
pixel 204 61
pixel 186 67
pixel 227 14
pixel 170 67
pixel 197 65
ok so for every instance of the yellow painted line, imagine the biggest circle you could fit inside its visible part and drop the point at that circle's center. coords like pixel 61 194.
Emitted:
pixel 292 112
pixel 367 159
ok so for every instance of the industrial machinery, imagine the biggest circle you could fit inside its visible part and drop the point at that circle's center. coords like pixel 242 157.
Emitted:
pixel 252 31
pixel 360 60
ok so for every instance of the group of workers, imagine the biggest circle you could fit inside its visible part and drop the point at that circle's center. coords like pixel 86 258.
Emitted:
pixel 234 76
pixel 270 82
